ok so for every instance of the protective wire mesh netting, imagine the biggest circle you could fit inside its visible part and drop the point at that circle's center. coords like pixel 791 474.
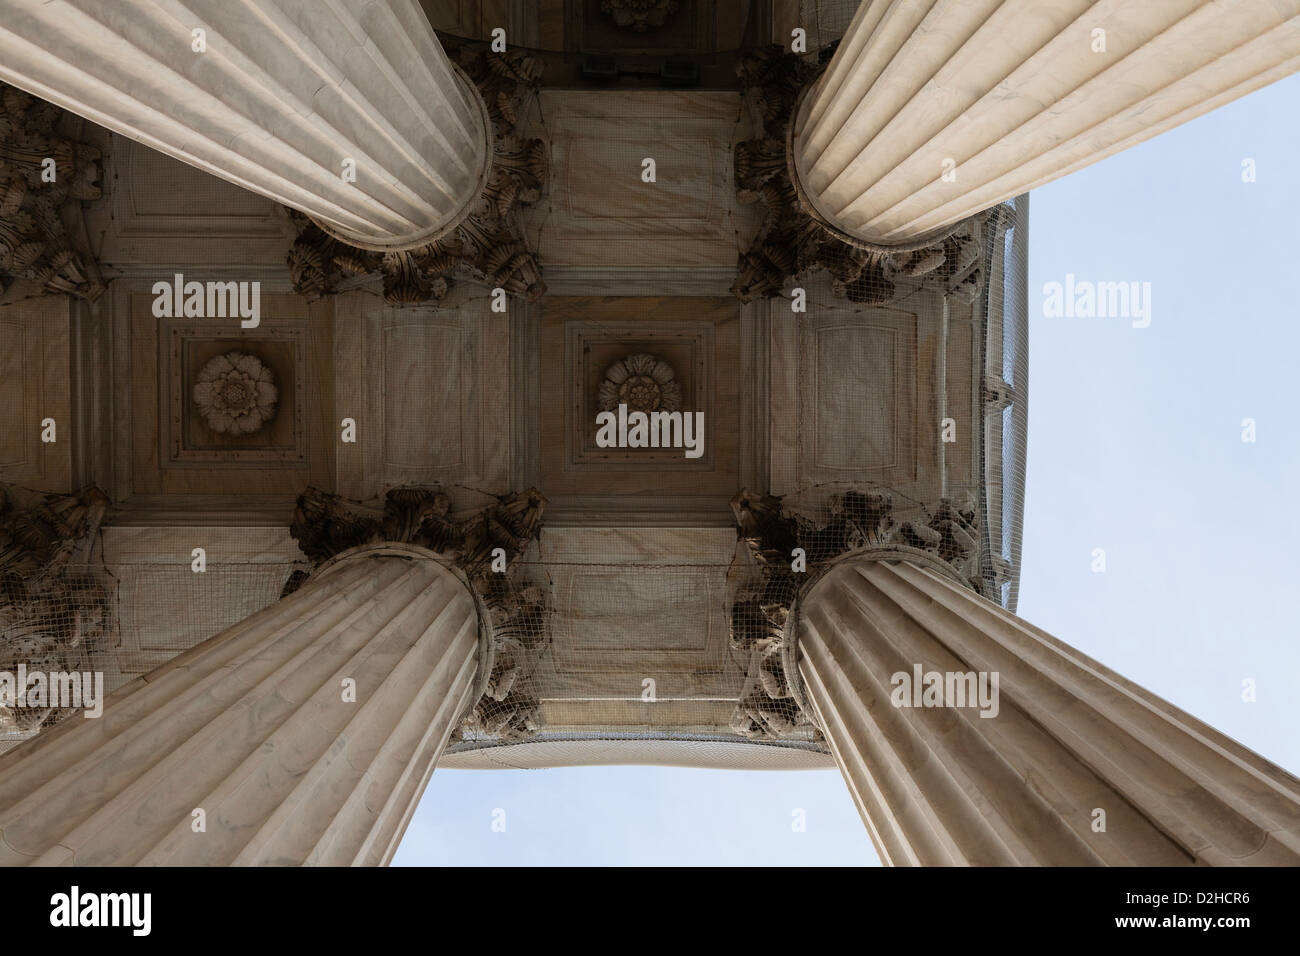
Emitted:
pixel 115 622
pixel 607 645
pixel 905 431
pixel 50 623
pixel 896 418
pixel 900 424
pixel 53 610
pixel 654 634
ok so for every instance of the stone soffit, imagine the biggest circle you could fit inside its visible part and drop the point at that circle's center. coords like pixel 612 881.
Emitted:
pixel 459 394
pixel 477 400
pixel 579 340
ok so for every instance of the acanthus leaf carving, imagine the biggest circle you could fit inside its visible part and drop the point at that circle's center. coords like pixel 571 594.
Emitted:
pixel 53 609
pixel 855 521
pixel 236 394
pixel 325 525
pixel 642 382
pixel 488 246
pixel 793 241
pixel 41 171
pixel 639 16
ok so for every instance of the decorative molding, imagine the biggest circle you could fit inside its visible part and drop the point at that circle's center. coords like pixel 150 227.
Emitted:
pixel 642 382
pixel 428 387
pixel 161 446
pixel 859 414
pixel 640 16
pixel 326 525
pixel 793 241
pixel 757 370
pixel 589 346
pixel 273 278
pixel 637 602
pixel 236 393
pixel 601 215
pixel 35 384
pixel 199 510
pixel 686 27
pixel 572 280
pixel 163 607
pixel 34 242
pixel 53 611
pixel 162 215
pixel 574 340
pixel 488 246
pixel 766 587
pixel 280 440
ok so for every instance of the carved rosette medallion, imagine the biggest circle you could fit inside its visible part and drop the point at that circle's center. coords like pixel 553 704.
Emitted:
pixel 642 382
pixel 236 394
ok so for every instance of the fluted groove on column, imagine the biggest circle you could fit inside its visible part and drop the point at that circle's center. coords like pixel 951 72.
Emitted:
pixel 283 94
pixel 944 785
pixel 488 245
pixel 794 242
pixel 765 587
pixel 1013 95
pixel 254 728
pixel 515 611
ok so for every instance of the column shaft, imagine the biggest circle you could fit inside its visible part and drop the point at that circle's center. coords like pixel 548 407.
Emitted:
pixel 305 734
pixel 945 785
pixel 283 98
pixel 1006 95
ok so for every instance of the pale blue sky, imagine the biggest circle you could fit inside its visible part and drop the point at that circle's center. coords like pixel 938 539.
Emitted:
pixel 1134 446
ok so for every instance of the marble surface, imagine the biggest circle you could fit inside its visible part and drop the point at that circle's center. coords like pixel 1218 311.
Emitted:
pixel 430 389
pixel 601 213
pixel 35 384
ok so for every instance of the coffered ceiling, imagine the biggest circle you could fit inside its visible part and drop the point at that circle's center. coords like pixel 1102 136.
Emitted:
pixel 634 27
pixel 458 394
pixel 357 397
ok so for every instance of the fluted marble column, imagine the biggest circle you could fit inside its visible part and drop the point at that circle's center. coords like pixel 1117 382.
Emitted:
pixel 257 729
pixel 1007 95
pixel 283 95
pixel 944 785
